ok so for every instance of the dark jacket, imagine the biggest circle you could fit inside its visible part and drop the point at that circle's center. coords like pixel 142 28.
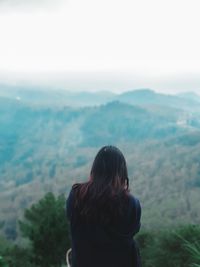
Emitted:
pixel 95 245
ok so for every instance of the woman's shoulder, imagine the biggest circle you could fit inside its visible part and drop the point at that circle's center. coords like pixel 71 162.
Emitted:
pixel 74 188
pixel 133 199
pixel 70 200
pixel 134 204
pixel 134 214
pixel 73 191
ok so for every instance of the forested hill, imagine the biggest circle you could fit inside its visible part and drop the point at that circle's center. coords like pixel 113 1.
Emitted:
pixel 47 143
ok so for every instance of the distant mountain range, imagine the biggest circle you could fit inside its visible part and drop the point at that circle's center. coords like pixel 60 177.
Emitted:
pixel 48 140
pixel 190 95
pixel 46 97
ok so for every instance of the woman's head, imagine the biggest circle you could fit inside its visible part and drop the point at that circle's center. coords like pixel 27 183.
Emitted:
pixel 104 197
pixel 109 169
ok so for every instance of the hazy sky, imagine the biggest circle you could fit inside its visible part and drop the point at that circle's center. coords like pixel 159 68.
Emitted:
pixel 106 43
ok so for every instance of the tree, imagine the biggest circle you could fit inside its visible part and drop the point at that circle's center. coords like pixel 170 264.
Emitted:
pixel 2 262
pixel 47 228
pixel 18 256
pixel 4 245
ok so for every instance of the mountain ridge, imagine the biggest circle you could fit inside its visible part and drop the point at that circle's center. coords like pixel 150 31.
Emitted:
pixel 61 97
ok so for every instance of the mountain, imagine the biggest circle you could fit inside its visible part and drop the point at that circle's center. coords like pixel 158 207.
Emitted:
pixel 121 122
pixel 54 97
pixel 59 98
pixel 144 97
pixel 47 147
pixel 190 95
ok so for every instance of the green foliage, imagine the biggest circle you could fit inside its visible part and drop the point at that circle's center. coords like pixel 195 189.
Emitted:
pixel 3 262
pixel 46 227
pixel 148 246
pixel 168 248
pixel 4 245
pixel 17 256
pixel 14 256
pixel 194 249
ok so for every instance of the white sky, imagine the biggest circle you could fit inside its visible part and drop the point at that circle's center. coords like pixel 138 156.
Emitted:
pixel 148 43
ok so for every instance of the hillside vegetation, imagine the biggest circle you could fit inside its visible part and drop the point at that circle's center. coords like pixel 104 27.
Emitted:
pixel 47 144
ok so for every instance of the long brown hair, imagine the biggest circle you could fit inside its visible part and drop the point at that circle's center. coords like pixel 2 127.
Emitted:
pixel 104 197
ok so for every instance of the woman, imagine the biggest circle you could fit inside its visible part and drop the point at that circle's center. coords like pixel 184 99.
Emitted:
pixel 104 216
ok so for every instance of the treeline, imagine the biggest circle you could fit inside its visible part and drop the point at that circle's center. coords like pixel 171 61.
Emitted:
pixel 46 233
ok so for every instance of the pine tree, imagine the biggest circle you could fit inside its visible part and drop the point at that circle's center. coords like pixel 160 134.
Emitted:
pixel 46 227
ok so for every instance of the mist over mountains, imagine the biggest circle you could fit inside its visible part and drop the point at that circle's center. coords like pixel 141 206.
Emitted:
pixel 60 97
pixel 48 140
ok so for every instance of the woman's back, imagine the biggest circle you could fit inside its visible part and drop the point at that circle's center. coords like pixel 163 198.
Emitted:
pixel 104 239
pixel 97 245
